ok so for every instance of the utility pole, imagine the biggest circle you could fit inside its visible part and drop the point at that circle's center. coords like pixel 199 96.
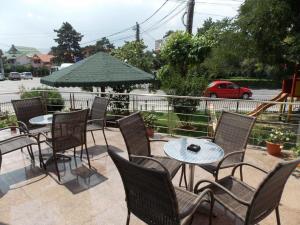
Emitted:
pixel 190 16
pixel 137 32
pixel 1 62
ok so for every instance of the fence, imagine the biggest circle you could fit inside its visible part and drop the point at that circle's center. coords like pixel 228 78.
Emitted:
pixel 179 115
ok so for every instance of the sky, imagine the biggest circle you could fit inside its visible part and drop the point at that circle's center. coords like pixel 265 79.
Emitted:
pixel 31 23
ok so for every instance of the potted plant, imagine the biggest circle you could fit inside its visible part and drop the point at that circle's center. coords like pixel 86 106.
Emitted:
pixel 11 121
pixel 149 120
pixel 276 139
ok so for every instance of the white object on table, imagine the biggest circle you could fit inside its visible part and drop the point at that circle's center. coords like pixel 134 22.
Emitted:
pixel 42 120
pixel 209 153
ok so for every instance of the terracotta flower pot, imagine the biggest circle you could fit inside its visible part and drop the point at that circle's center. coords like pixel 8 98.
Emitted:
pixel 274 149
pixel 150 132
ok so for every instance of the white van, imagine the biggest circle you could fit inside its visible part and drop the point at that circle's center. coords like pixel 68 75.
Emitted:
pixel 2 77
pixel 26 75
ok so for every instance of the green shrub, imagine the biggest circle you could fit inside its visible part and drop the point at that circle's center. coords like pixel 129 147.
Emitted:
pixel 256 83
pixel 54 99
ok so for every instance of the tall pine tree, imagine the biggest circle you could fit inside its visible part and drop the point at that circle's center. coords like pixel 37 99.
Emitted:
pixel 68 49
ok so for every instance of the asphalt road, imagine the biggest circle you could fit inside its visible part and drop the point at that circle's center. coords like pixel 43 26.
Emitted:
pixel 14 86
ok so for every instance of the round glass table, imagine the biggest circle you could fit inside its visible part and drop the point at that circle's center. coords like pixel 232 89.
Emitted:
pixel 209 152
pixel 41 120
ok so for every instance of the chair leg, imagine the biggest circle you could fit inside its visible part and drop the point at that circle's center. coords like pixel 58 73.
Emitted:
pixel 75 153
pixel 87 155
pixel 211 210
pixel 81 152
pixel 29 149
pixel 128 218
pixel 183 176
pixel 277 216
pixel 93 137
pixel 105 138
pixel 241 173
pixel 56 166
pixel 0 160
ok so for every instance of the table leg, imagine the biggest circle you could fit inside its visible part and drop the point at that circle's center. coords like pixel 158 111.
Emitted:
pixel 191 177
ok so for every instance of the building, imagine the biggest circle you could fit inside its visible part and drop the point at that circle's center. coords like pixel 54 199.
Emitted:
pixel 42 60
pixel 20 55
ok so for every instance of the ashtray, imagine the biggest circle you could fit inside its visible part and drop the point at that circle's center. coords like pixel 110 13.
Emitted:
pixel 193 148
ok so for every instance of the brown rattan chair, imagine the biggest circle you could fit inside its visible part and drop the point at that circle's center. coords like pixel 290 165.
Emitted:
pixel 68 131
pixel 17 142
pixel 151 196
pixel 98 116
pixel 248 204
pixel 25 109
pixel 232 133
pixel 137 142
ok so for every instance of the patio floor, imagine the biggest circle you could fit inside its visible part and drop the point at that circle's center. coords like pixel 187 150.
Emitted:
pixel 28 195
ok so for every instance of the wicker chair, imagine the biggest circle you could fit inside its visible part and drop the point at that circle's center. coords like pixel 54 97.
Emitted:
pixel 68 131
pixel 151 196
pixel 98 117
pixel 137 142
pixel 17 142
pixel 231 135
pixel 26 109
pixel 248 204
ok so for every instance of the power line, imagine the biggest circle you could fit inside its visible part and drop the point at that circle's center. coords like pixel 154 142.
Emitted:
pixel 130 28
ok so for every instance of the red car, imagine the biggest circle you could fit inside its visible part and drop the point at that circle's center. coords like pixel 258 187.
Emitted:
pixel 226 89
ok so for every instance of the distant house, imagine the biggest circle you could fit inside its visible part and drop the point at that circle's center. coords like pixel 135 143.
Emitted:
pixel 20 55
pixel 42 60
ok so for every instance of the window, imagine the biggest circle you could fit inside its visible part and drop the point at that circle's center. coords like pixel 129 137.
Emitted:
pixel 222 86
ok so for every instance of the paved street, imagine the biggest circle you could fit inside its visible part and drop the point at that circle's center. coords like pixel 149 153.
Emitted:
pixel 14 86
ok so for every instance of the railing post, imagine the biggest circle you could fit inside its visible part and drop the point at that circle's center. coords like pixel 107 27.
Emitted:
pixel 169 128
pixel 237 106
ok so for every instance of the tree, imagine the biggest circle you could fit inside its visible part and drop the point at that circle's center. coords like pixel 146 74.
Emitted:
pixel 102 45
pixel 68 49
pixel 134 53
pixel 182 53
pixel 271 25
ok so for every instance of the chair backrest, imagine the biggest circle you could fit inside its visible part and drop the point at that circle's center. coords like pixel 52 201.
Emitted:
pixel 69 130
pixel 99 109
pixel 232 132
pixel 25 109
pixel 268 194
pixel 134 133
pixel 150 194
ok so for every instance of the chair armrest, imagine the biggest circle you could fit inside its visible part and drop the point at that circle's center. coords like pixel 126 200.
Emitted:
pixel 212 183
pixel 155 140
pixel 23 126
pixel 40 134
pixel 151 159
pixel 16 137
pixel 224 159
pixel 247 164
pixel 199 200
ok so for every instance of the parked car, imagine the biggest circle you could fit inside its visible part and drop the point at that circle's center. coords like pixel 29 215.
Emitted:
pixel 14 76
pixel 2 77
pixel 26 75
pixel 226 89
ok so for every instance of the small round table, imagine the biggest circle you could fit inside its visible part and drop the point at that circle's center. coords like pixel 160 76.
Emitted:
pixel 41 120
pixel 209 153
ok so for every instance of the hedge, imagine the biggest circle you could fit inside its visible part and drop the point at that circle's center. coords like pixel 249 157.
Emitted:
pixel 256 83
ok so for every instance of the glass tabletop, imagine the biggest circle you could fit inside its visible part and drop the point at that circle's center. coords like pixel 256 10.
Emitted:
pixel 42 120
pixel 209 152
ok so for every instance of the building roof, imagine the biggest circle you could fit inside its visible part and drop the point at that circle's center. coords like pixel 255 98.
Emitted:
pixel 100 69
pixel 20 51
pixel 45 58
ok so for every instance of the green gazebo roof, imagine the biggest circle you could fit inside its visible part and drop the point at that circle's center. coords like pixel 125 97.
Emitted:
pixel 97 70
